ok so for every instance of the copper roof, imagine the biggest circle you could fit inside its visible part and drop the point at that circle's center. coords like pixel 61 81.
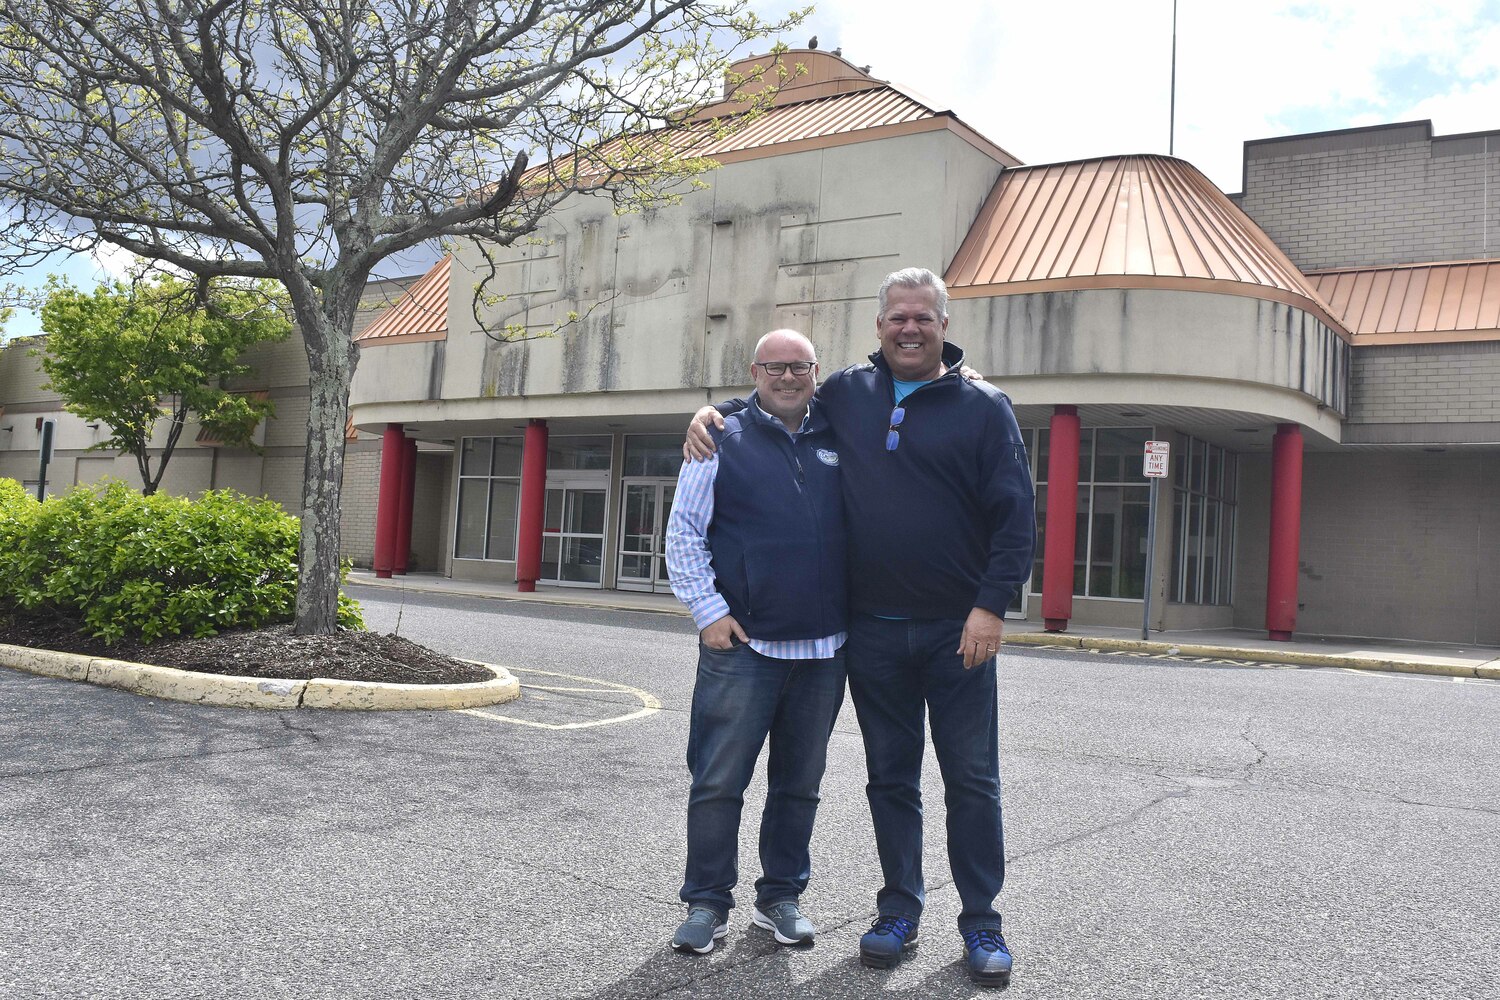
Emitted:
pixel 1416 303
pixel 828 103
pixel 1122 222
pixel 420 314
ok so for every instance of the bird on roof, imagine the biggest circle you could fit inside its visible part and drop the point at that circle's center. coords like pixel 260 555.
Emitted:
pixel 839 51
pixel 812 42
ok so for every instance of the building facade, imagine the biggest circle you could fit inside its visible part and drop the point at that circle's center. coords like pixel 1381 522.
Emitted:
pixel 1321 351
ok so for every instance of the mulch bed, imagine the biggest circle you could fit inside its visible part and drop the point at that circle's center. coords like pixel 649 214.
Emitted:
pixel 268 652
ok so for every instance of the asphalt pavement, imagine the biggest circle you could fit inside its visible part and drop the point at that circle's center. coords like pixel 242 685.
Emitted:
pixel 1174 829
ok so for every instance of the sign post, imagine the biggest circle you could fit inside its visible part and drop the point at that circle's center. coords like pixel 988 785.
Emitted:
pixel 1158 457
pixel 48 428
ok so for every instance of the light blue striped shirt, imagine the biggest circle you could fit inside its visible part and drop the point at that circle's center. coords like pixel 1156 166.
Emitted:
pixel 692 573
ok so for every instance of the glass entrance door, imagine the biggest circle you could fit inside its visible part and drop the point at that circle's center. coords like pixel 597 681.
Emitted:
pixel 643 534
pixel 573 534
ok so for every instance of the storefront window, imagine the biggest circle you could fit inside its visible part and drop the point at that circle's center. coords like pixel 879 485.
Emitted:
pixel 578 453
pixel 1109 555
pixel 653 454
pixel 489 497
pixel 1203 515
pixel 489 503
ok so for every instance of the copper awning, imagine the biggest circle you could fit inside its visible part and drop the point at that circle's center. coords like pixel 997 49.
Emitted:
pixel 1122 222
pixel 421 314
pixel 1435 303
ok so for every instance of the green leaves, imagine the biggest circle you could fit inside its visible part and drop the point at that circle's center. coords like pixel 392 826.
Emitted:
pixel 151 567
pixel 123 355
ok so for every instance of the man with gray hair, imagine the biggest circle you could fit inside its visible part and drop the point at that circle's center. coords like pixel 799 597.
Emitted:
pixel 941 516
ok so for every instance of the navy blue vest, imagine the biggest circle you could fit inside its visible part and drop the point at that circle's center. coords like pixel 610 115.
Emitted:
pixel 777 535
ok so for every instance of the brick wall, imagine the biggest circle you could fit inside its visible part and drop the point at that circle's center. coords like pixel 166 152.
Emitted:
pixel 1389 195
pixel 1426 383
pixel 1393 544
pixel 430 513
pixel 361 490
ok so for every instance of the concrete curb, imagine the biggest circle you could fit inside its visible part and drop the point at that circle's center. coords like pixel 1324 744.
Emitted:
pixel 602 603
pixel 228 691
pixel 1290 656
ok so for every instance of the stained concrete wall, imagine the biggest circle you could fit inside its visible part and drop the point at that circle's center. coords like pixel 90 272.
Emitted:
pixel 677 297
pixel 1115 332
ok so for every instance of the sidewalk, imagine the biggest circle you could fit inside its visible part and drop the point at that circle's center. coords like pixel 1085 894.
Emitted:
pixel 1443 659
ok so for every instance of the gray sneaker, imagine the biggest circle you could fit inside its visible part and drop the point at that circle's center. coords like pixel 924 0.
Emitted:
pixel 700 930
pixel 785 921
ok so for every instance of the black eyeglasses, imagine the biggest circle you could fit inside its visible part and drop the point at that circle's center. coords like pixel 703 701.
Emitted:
pixel 778 368
pixel 893 434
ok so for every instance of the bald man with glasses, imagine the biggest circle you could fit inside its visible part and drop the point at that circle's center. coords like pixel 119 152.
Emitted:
pixel 756 550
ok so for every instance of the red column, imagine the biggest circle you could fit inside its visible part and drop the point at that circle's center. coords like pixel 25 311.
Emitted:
pixel 1062 518
pixel 533 506
pixel 1286 531
pixel 403 513
pixel 388 504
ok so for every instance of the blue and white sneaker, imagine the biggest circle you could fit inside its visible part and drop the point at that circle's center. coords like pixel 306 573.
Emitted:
pixel 987 956
pixel 700 930
pixel 785 922
pixel 887 938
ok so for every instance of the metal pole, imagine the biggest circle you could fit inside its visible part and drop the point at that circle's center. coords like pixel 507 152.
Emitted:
pixel 1150 559
pixel 48 427
pixel 1172 112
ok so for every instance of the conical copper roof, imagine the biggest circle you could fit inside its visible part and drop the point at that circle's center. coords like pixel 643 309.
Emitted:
pixel 1122 222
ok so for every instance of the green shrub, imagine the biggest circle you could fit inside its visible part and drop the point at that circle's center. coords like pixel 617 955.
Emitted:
pixel 151 567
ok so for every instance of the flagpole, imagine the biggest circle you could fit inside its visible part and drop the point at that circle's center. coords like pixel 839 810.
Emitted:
pixel 1172 113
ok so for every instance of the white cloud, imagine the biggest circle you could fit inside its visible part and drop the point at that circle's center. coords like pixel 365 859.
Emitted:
pixel 1080 78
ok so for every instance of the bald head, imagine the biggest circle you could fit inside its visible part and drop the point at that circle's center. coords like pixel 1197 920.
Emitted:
pixel 782 392
pixel 784 345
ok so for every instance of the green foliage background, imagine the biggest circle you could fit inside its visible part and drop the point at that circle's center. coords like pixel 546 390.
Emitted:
pixel 131 356
pixel 150 567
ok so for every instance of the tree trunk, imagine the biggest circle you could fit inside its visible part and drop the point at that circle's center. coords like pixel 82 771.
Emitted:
pixel 328 335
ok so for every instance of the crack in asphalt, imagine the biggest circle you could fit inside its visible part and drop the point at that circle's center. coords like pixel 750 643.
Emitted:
pixel 304 731
pixel 1260 750
pixel 1181 791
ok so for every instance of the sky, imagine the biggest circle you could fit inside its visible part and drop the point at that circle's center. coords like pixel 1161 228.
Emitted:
pixel 1069 79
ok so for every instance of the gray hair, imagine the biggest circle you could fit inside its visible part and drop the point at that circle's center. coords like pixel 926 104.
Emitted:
pixel 915 277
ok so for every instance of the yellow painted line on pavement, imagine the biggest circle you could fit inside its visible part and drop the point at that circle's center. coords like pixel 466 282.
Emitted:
pixel 649 703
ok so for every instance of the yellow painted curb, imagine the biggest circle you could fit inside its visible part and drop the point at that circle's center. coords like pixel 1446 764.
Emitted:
pixel 172 684
pixel 366 696
pixel 1295 657
pixel 46 662
pixel 229 691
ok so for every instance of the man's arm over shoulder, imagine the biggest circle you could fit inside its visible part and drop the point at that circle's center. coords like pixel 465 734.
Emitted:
pixel 1009 502
pixel 700 443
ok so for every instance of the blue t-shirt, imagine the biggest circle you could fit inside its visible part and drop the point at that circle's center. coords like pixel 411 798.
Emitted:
pixel 904 389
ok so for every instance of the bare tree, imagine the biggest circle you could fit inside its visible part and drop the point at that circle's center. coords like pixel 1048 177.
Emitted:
pixel 307 141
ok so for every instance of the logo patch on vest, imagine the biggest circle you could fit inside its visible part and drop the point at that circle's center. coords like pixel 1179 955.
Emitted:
pixel 828 457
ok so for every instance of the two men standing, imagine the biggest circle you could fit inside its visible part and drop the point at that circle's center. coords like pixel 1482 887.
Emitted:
pixel 940 520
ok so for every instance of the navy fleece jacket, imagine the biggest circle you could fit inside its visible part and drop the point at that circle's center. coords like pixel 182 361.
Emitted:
pixel 945 522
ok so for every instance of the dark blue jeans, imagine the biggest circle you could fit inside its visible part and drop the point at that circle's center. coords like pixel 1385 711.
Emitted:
pixel 739 699
pixel 896 669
